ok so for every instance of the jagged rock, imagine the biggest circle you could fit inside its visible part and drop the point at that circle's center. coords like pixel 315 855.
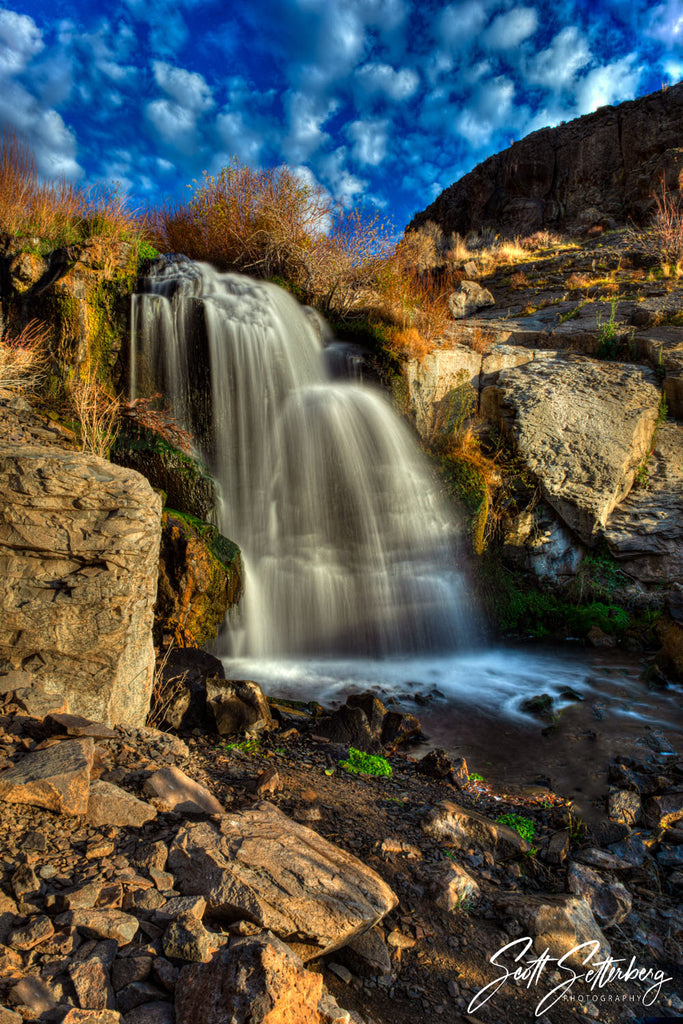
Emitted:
pixel 104 924
pixel 253 981
pixel 189 669
pixel 150 855
pixel 38 703
pixel 151 1013
pixel 671 638
pixel 182 793
pixel 367 954
pixel 583 427
pixel 79 542
pixel 624 805
pixel 76 726
pixel 9 1016
pixel 663 811
pixel 57 778
pixel 92 1017
pixel 261 865
pixel 183 479
pixel 239 706
pixel 38 929
pixel 8 916
pixel 267 782
pixel 463 827
pixel 200 577
pixel 454 887
pixel 129 970
pixel 111 805
pixel 609 901
pixel 556 923
pixel 373 709
pixel 91 979
pixel 535 540
pixel 186 938
pixel 469 298
pixel 400 727
pixel 349 726
pixel 601 859
pixel 138 993
pixel 600 168
pixel 34 993
pixel 25 882
pixel 178 906
pixel 558 847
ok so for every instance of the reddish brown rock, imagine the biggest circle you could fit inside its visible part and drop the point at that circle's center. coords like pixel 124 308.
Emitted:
pixel 105 924
pixel 182 793
pixel 253 981
pixel 111 805
pixel 57 778
pixel 463 827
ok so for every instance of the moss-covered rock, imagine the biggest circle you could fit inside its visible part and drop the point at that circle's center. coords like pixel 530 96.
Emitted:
pixel 200 577
pixel 186 483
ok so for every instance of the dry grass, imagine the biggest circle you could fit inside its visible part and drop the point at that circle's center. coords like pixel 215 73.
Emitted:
pixel 147 414
pixel 410 343
pixel 23 358
pixel 97 412
pixel 519 280
pixel 480 340
pixel 165 691
pixel 56 213
pixel 578 281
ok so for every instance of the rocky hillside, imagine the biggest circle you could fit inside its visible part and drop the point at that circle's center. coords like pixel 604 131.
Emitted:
pixel 601 169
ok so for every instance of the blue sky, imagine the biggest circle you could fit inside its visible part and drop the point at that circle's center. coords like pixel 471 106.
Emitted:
pixel 380 101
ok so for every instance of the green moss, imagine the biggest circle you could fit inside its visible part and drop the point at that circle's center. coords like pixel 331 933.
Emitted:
pixel 185 481
pixel 524 827
pixel 466 484
pixel 225 551
pixel 360 763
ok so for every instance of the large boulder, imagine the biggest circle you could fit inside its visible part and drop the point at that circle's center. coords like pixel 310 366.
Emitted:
pixel 57 778
pixel 441 387
pixel 558 924
pixel 79 545
pixel 469 298
pixel 583 427
pixel 261 866
pixel 238 705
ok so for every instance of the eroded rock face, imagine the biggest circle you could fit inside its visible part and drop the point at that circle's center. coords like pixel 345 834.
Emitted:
pixel 583 427
pixel 597 169
pixel 262 866
pixel 79 543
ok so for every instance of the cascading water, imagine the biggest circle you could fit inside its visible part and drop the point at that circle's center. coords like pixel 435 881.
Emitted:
pixel 345 540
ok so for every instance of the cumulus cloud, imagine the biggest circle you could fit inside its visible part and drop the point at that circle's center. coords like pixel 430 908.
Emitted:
pixel 512 28
pixel 20 41
pixel 369 141
pixel 489 109
pixel 556 67
pixel 459 23
pixel 307 113
pixel 382 78
pixel 612 83
pixel 665 23
pixel 344 186
pixel 187 88
pixel 175 117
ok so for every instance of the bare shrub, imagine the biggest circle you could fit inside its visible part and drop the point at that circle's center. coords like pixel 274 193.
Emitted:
pixel 667 225
pixel 165 691
pixel 97 412
pixel 541 240
pixel 411 344
pixel 518 280
pixel 479 340
pixel 148 414
pixel 23 358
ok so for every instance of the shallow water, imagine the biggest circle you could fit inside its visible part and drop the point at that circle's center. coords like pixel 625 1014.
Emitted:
pixel 470 704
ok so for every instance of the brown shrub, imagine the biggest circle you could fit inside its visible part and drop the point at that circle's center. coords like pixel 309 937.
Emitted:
pixel 97 412
pixel 410 343
pixel 23 358
pixel 519 280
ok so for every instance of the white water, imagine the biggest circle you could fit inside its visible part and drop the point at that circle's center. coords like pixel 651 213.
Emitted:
pixel 346 541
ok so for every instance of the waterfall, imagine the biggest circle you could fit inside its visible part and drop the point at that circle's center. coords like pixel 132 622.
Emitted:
pixel 346 541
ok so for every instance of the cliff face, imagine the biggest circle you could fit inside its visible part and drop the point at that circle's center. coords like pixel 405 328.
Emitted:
pixel 599 169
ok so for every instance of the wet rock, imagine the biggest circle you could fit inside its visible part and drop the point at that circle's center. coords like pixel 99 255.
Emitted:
pixel 400 727
pixel 623 777
pixel 372 707
pixel 186 938
pixel 262 866
pixel 349 726
pixel 454 887
pixel 463 827
pixel 624 805
pixel 239 706
pixel 104 924
pixel 663 811
pixel 469 298
pixel 57 778
pixel 182 793
pixel 111 805
pixel 609 901
pixel 253 981
pixel 556 923
pixel 541 705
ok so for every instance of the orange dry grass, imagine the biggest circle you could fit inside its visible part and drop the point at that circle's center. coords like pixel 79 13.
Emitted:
pixel 23 359
pixel 97 412
pixel 58 212
pixel 411 344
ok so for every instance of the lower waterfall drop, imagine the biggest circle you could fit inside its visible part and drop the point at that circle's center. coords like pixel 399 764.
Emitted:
pixel 346 541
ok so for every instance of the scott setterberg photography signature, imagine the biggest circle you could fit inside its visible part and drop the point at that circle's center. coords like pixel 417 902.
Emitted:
pixel 599 973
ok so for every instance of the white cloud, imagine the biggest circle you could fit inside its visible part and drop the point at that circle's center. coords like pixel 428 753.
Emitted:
pixel 666 23
pixel 187 88
pixel 489 110
pixel 557 66
pixel 307 113
pixel 345 186
pixel 239 137
pixel 512 28
pixel 459 23
pixel 369 141
pixel 612 83
pixel 382 78
pixel 20 41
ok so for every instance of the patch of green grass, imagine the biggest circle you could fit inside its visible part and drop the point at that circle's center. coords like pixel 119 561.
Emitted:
pixel 146 251
pixel 252 745
pixel 524 827
pixel 475 777
pixel 360 763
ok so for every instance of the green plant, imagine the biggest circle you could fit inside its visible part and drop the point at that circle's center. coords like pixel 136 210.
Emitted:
pixel 524 827
pixel 146 251
pixel 608 334
pixel 360 763
pixel 252 745
pixel 475 777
